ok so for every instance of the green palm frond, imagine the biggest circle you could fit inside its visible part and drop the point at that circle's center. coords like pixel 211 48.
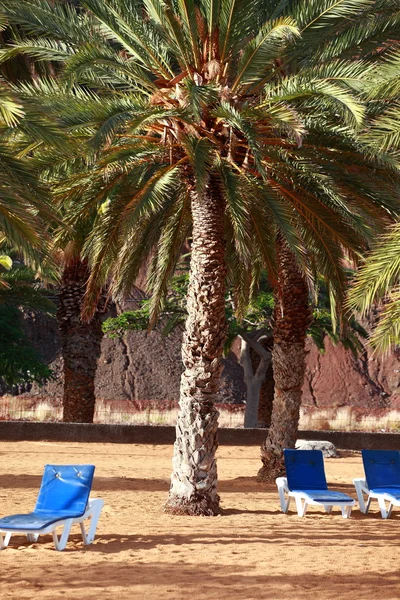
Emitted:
pixel 385 133
pixel 386 334
pixel 380 273
pixel 386 83
pixel 38 48
pixel 263 49
pixel 175 232
pixel 362 36
pixel 335 98
pixel 315 15
pixel 11 112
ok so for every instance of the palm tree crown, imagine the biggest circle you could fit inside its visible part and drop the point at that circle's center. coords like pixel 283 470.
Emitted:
pixel 263 101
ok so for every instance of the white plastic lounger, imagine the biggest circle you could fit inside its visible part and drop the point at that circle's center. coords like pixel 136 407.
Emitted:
pixel 306 483
pixel 63 501
pixel 382 481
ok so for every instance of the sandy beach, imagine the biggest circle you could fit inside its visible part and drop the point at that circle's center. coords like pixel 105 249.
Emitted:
pixel 252 551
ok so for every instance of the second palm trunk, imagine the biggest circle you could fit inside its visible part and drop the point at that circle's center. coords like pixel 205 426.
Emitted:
pixel 81 345
pixel 292 317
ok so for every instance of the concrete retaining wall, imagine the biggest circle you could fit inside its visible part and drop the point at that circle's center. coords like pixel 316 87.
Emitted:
pixel 16 431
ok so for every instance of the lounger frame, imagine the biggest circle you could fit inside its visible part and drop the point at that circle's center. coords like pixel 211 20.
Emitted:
pixel 363 490
pixel 92 512
pixel 303 500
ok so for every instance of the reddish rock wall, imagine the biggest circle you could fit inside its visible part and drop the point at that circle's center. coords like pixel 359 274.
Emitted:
pixel 148 367
pixel 336 378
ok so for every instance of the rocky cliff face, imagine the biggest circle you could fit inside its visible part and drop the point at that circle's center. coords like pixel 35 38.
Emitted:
pixel 148 367
pixel 138 366
pixel 336 378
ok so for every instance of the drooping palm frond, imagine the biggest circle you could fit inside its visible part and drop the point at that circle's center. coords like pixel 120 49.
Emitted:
pixel 22 208
pixel 11 110
pixel 385 133
pixel 25 210
pixel 386 82
pixel 386 334
pixel 380 273
pixel 378 279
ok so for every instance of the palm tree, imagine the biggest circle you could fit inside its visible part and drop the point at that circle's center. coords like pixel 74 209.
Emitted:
pixel 291 313
pixel 25 217
pixel 196 126
pixel 80 339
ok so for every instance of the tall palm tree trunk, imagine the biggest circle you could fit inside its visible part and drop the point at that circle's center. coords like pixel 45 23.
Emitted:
pixel 292 319
pixel 81 345
pixel 194 478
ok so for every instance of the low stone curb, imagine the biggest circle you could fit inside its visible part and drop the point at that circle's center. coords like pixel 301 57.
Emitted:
pixel 17 431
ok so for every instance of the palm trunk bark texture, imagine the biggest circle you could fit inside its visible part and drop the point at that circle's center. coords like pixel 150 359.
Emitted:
pixel 292 318
pixel 81 345
pixel 194 479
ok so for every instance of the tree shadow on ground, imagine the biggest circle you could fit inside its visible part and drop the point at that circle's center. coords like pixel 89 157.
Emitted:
pixel 189 579
pixel 240 484
pixel 278 536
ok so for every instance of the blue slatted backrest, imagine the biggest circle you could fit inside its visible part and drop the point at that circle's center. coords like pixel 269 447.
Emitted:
pixel 305 469
pixel 382 467
pixel 65 487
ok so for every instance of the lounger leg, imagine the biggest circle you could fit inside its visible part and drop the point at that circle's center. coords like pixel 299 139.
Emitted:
pixel 328 508
pixel 61 542
pixel 283 490
pixel 4 540
pixel 382 506
pixel 32 537
pixel 284 500
pixel 364 505
pixel 361 502
pixel 95 511
pixel 301 508
pixel 346 511
pixel 359 484
pixel 390 510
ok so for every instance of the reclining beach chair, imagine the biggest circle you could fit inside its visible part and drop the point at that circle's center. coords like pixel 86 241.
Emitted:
pixel 382 480
pixel 63 500
pixel 305 481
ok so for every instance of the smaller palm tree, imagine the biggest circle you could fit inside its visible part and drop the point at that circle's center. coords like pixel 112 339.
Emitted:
pixel 26 133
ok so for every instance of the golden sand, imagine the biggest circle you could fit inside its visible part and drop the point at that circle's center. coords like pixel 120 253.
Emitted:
pixel 253 551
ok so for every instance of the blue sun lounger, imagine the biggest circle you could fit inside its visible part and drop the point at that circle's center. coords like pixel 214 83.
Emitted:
pixel 63 500
pixel 305 481
pixel 382 481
